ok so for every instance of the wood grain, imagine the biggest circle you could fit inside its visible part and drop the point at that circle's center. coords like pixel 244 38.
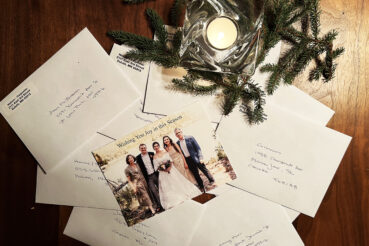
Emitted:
pixel 31 31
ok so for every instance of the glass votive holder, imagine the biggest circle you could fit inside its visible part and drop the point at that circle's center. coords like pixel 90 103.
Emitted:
pixel 222 35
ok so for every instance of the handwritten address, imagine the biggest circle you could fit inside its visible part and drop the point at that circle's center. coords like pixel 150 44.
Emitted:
pixel 143 236
pixel 256 238
pixel 268 160
pixel 88 171
pixel 71 104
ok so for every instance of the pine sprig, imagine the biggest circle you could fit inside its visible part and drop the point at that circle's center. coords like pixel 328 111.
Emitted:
pixel 176 12
pixel 296 22
pixel 189 84
pixel 130 39
pixel 230 100
pixel 253 100
pixel 158 27
pixel 155 56
pixel 305 47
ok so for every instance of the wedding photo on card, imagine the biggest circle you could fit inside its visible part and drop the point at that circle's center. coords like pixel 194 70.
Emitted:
pixel 161 165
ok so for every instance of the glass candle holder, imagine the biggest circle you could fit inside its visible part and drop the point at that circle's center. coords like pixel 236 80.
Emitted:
pixel 222 35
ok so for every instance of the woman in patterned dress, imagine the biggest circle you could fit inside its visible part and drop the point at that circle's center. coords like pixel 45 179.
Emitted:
pixel 138 183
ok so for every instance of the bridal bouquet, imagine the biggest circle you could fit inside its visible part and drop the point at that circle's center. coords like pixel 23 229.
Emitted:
pixel 164 166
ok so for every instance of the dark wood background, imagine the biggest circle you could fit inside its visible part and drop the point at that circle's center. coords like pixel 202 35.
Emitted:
pixel 31 31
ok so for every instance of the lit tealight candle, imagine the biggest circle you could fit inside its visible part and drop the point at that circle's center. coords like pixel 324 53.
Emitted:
pixel 221 33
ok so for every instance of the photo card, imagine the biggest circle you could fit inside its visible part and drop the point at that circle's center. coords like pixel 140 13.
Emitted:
pixel 161 165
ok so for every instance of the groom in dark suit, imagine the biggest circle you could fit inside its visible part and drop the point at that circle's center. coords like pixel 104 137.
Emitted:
pixel 192 152
pixel 145 161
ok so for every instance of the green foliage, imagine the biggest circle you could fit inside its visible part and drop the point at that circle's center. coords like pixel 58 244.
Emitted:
pixel 295 22
pixel 188 84
pixel 306 45
pixel 158 50
pixel 252 98
pixel 158 27
pixel 176 11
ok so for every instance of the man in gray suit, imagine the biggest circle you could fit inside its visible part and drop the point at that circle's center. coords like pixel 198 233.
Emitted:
pixel 192 152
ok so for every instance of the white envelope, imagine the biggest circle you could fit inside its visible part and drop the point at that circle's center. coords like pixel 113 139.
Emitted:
pixel 62 104
pixel 79 182
pixel 137 71
pixel 287 159
pixel 103 227
pixel 160 100
pixel 239 218
pixel 232 217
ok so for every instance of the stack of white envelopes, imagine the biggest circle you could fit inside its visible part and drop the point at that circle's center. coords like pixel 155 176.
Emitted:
pixel 83 112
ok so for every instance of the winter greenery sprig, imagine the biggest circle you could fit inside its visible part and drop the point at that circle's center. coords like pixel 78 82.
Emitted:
pixel 295 22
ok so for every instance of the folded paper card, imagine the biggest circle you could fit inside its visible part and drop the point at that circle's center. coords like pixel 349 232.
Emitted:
pixel 286 159
pixel 62 104
pixel 164 163
pixel 104 227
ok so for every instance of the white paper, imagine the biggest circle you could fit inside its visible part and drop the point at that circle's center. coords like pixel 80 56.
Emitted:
pixel 78 181
pixel 137 71
pixel 104 227
pixel 291 98
pixel 162 101
pixel 62 104
pixel 292 214
pixel 239 218
pixel 231 217
pixel 286 159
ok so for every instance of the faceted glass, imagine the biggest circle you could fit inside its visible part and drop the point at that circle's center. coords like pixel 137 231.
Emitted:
pixel 198 52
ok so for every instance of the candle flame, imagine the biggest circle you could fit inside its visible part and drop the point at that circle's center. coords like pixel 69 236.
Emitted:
pixel 220 36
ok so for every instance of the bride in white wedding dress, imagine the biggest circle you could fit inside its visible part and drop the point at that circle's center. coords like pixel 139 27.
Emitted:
pixel 174 188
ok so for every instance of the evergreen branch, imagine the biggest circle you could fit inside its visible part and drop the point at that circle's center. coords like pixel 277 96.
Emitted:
pixel 130 39
pixel 296 17
pixel 330 36
pixel 232 93
pixel 176 42
pixel 158 27
pixel 280 19
pixel 252 98
pixel 156 56
pixel 176 12
pixel 305 24
pixel 315 73
pixel 230 100
pixel 315 18
pixel 337 52
pixel 188 85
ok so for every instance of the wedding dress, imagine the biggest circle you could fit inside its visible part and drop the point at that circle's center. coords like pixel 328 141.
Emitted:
pixel 174 188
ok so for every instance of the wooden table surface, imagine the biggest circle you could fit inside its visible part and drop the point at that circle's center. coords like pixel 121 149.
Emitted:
pixel 31 31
